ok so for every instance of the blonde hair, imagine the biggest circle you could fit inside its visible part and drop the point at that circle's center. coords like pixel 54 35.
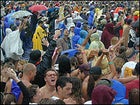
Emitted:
pixel 114 40
pixel 119 62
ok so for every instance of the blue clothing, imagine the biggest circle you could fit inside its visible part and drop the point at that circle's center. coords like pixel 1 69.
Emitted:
pixel 91 18
pixel 121 92
pixel 70 52
pixel 15 89
pixel 83 35
pixel 26 38
pixel 76 37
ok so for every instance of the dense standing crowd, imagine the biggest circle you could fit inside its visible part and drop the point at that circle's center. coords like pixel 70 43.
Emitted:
pixel 71 52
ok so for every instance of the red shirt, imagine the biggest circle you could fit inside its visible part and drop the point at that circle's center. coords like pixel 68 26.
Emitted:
pixel 131 85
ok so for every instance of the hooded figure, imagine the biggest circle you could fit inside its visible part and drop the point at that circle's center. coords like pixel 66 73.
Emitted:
pixel 76 36
pixel 107 34
pixel 121 91
pixel 83 35
pixel 91 16
pixel 95 42
pixel 103 94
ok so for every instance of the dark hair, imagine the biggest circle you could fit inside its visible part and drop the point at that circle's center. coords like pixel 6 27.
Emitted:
pixel 96 71
pixel 77 89
pixel 64 65
pixel 134 96
pixel 32 91
pixel 137 69
pixel 50 69
pixel 90 86
pixel 62 81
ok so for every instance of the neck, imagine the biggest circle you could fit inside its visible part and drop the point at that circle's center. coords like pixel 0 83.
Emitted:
pixel 25 77
pixel 50 88
pixel 65 37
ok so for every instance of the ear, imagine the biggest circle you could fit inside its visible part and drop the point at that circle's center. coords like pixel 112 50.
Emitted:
pixel 59 88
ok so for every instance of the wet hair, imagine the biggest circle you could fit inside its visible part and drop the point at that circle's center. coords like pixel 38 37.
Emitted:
pixel 64 65
pixel 62 81
pixel 32 91
pixel 8 98
pixel 50 69
pixel 134 96
pixel 77 89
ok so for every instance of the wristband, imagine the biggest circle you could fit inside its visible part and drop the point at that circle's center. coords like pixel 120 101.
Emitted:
pixel 110 63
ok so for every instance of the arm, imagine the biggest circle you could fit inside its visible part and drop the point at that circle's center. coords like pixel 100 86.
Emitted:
pixel 88 36
pixel 127 79
pixel 55 55
pixel 111 65
pixel 59 20
pixel 12 74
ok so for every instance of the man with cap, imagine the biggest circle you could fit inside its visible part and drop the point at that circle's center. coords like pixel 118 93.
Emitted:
pixel 129 66
pixel 43 63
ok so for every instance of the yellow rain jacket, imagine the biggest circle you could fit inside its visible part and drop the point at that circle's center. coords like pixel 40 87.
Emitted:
pixel 37 38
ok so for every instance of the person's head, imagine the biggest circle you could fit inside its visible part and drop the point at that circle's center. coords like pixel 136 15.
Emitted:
pixel 95 72
pixel 134 96
pixel 29 70
pixel 114 40
pixel 40 23
pixel 103 94
pixel 83 71
pixel 20 64
pixel 66 32
pixel 104 81
pixel 50 77
pixel 64 87
pixel 58 32
pixel 34 93
pixel 74 62
pixel 64 65
pixel 131 54
pixel 76 89
pixel 119 62
pixel 9 98
pixel 35 56
pixel 78 55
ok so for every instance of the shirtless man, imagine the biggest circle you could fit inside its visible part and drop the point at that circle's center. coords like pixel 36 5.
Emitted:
pixel 50 78
pixel 29 72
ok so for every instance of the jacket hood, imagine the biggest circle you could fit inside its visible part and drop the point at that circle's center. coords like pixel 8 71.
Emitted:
pixel 77 31
pixel 121 91
pixel 83 34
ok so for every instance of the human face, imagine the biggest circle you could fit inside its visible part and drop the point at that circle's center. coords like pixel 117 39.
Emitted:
pixel 66 91
pixel 79 58
pixel 51 78
pixel 66 32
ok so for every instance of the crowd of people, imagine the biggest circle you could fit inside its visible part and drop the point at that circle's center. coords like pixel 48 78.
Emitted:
pixel 73 52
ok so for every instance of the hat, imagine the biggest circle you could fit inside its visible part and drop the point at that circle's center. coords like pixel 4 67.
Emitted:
pixel 135 24
pixel 35 56
pixel 131 52
pixel 84 68
pixel 71 25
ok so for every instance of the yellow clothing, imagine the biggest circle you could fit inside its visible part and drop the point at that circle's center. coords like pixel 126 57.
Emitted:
pixel 37 38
